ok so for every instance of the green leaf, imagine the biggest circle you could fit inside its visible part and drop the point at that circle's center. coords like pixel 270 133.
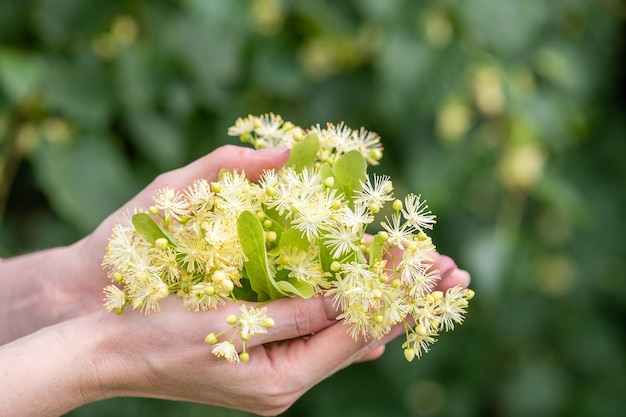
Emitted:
pixel 349 171
pixel 250 232
pixel 324 255
pixel 295 287
pixel 376 249
pixel 149 229
pixel 245 292
pixel 292 286
pixel 293 237
pixel 304 153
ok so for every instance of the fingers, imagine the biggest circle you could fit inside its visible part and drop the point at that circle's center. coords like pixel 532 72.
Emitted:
pixel 230 157
pixel 372 355
pixel 333 349
pixel 451 275
pixel 457 277
pixel 295 317
pixel 247 160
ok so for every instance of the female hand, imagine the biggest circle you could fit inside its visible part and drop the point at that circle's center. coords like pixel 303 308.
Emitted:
pixel 47 287
pixel 102 355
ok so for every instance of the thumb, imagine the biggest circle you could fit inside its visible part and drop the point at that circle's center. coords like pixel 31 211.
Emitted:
pixel 251 162
pixel 229 157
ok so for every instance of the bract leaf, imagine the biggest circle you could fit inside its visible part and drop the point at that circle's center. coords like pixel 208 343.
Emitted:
pixel 349 171
pixel 293 237
pixel 295 287
pixel 304 153
pixel 376 249
pixel 150 229
pixel 250 232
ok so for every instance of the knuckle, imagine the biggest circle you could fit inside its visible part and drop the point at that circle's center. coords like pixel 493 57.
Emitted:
pixel 302 319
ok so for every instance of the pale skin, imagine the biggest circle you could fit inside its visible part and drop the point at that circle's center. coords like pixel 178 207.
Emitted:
pixel 61 349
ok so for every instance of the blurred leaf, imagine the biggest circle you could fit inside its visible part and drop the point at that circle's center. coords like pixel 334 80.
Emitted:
pixel 79 90
pixel 84 181
pixel 20 75
pixel 158 138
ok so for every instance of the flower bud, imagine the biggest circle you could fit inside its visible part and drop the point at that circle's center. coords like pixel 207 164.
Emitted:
pixel 379 318
pixel 376 154
pixel 397 205
pixel 329 182
pixel 384 236
pixel 244 356
pixel 271 236
pixel 219 276
pixel 267 223
pixel 268 322
pixel 227 286
pixel 409 354
pixel 232 319
pixel 153 210
pixel 437 295
pixel 210 339
pixel 421 330
pixel 216 187
pixel 160 243
pixel 374 208
pixel 470 294
pixel 335 266
pixel 118 277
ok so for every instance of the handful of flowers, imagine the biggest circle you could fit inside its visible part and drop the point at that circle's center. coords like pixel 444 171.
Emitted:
pixel 300 231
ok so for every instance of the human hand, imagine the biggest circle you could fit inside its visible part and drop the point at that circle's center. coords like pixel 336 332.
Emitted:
pixel 100 355
pixel 47 287
pixel 87 283
pixel 170 360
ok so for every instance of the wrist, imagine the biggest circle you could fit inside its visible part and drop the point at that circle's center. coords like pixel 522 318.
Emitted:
pixel 60 366
pixel 37 291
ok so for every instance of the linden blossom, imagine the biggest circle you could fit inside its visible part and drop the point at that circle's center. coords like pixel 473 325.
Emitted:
pixel 298 232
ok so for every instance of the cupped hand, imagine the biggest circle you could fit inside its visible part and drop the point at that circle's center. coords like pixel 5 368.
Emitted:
pixel 164 355
pixel 85 290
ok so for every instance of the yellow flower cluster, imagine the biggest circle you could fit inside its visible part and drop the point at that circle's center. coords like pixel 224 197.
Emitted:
pixel 310 220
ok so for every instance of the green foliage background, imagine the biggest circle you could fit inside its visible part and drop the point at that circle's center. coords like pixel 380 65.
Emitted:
pixel 507 116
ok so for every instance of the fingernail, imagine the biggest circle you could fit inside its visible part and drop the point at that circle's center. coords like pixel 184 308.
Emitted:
pixel 270 153
pixel 446 265
pixel 331 311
